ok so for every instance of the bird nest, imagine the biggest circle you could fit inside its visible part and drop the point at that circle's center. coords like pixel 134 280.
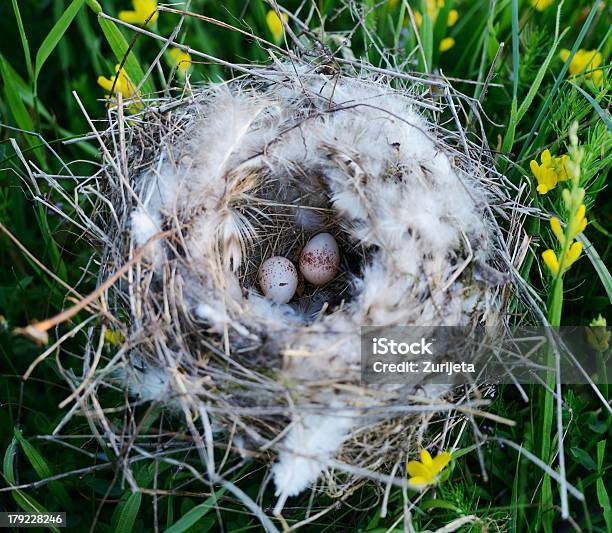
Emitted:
pixel 253 169
pixel 197 191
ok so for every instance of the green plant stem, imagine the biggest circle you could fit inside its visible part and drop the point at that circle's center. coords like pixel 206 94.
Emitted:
pixel 554 318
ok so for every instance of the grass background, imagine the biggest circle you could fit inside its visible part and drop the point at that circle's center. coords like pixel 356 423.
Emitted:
pixel 530 80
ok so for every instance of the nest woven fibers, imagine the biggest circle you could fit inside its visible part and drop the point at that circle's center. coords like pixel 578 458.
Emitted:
pixel 196 191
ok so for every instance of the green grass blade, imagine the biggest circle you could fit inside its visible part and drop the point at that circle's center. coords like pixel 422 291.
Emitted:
pixel 195 514
pixel 124 55
pixel 128 513
pixel 427 38
pixel 598 264
pixel 24 39
pixel 56 33
pixel 596 106
pixel 57 263
pixel 535 86
pixel 515 49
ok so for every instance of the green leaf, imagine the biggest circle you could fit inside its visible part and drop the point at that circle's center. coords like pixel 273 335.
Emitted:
pixel 25 502
pixel 195 514
pixel 584 458
pixel 128 513
pixel 122 51
pixel 14 101
pixel 39 465
pixel 8 462
pixel 598 264
pixel 464 451
pixel 435 503
pixel 56 33
pixel 18 108
pixel 41 468
pixel 602 493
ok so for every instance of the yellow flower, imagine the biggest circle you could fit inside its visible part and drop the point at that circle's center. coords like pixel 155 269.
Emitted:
pixel 555 225
pixel 545 174
pixel 143 9
pixel 551 171
pixel 597 335
pixel 446 44
pixel 578 223
pixel 584 60
pixel 574 252
pixel 120 83
pixel 575 226
pixel 433 9
pixel 426 471
pixel 392 3
pixel 541 5
pixel 551 261
pixel 180 59
pixel 275 24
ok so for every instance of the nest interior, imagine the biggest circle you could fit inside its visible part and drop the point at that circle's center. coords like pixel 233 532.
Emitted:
pixel 284 214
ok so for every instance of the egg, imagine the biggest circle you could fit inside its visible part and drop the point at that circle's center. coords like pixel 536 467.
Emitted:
pixel 278 279
pixel 319 259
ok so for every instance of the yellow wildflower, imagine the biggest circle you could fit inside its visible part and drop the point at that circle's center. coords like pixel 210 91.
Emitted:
pixel 541 5
pixel 584 60
pixel 574 252
pixel 275 25
pixel 573 197
pixel 555 225
pixel 143 9
pixel 597 334
pixel 120 83
pixel 545 174
pixel 551 171
pixel 433 9
pixel 425 472
pixel 576 225
pixel 551 261
pixel 557 265
pixel 446 44
pixel 180 59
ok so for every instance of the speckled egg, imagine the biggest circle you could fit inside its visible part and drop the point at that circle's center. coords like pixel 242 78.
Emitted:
pixel 278 279
pixel 319 259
